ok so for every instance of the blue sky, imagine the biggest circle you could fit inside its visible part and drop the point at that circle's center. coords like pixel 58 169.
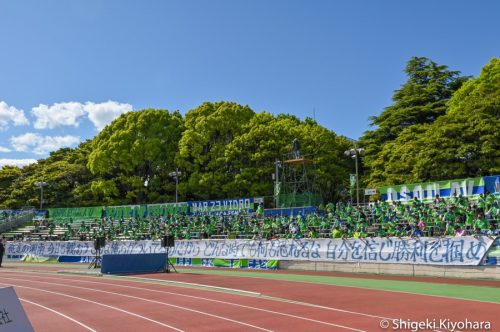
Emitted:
pixel 67 68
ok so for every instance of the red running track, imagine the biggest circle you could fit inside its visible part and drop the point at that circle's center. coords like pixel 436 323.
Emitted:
pixel 61 302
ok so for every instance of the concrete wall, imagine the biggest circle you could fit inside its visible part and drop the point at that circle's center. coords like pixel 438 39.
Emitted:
pixel 467 272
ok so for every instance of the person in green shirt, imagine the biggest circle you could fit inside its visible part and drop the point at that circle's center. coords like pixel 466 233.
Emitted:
pixel 347 230
pixel 494 210
pixel 381 232
pixel 326 225
pixel 302 225
pixel 337 233
pixel 390 229
pixel 463 201
pixel 449 215
pixel 315 220
pixel 275 226
pixel 450 229
pixel 359 233
pixel 312 234
pixel 469 216
pixel 260 211
pixel 481 201
pixel 186 234
pixel 266 230
pixel 481 224
pixel 329 207
pixel 52 227
pixel 400 230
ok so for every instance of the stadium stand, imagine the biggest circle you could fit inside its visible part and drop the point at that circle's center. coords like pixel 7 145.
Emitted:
pixel 457 216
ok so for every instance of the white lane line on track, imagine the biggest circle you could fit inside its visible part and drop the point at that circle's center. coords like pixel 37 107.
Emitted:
pixel 194 285
pixel 59 313
pixel 148 300
pixel 101 304
pixel 161 282
pixel 270 298
pixel 223 302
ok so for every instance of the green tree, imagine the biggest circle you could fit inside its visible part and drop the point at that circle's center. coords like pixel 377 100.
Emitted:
pixel 252 155
pixel 421 100
pixel 8 175
pixel 63 172
pixel 22 191
pixel 208 130
pixel 397 159
pixel 81 177
pixel 132 156
pixel 466 141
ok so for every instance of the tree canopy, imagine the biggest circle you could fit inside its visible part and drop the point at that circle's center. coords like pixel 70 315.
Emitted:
pixel 465 142
pixel 420 101
pixel 441 126
pixel 131 157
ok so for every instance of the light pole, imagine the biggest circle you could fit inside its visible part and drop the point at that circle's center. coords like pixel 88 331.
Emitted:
pixel 41 184
pixel 355 153
pixel 176 176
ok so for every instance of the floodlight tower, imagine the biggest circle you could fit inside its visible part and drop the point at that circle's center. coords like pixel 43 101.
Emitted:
pixel 176 175
pixel 40 184
pixel 355 154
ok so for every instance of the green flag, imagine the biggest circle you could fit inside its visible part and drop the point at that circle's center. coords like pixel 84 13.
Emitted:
pixel 277 188
pixel 352 180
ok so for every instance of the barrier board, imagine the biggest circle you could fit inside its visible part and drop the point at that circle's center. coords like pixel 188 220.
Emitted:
pixel 467 250
pixel 12 315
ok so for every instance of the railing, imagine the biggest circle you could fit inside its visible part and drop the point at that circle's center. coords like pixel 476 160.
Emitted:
pixel 247 228
pixel 16 219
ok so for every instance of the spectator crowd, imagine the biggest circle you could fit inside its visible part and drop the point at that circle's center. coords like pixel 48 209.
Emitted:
pixel 457 216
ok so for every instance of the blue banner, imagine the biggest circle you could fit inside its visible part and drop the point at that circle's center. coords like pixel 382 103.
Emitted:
pixel 492 184
pixel 493 255
pixel 221 206
pixel 429 190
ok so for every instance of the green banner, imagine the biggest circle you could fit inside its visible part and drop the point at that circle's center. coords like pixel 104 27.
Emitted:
pixel 227 263
pixel 164 209
pixel 118 212
pixel 75 213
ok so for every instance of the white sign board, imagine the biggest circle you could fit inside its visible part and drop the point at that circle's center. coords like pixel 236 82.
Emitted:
pixel 370 192
pixel 12 315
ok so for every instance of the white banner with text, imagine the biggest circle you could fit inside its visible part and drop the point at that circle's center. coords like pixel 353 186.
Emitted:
pixel 467 250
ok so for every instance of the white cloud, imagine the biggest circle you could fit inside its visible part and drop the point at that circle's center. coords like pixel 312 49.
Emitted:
pixel 31 142
pixel 59 114
pixel 16 162
pixel 69 114
pixel 103 113
pixel 11 114
pixel 2 149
